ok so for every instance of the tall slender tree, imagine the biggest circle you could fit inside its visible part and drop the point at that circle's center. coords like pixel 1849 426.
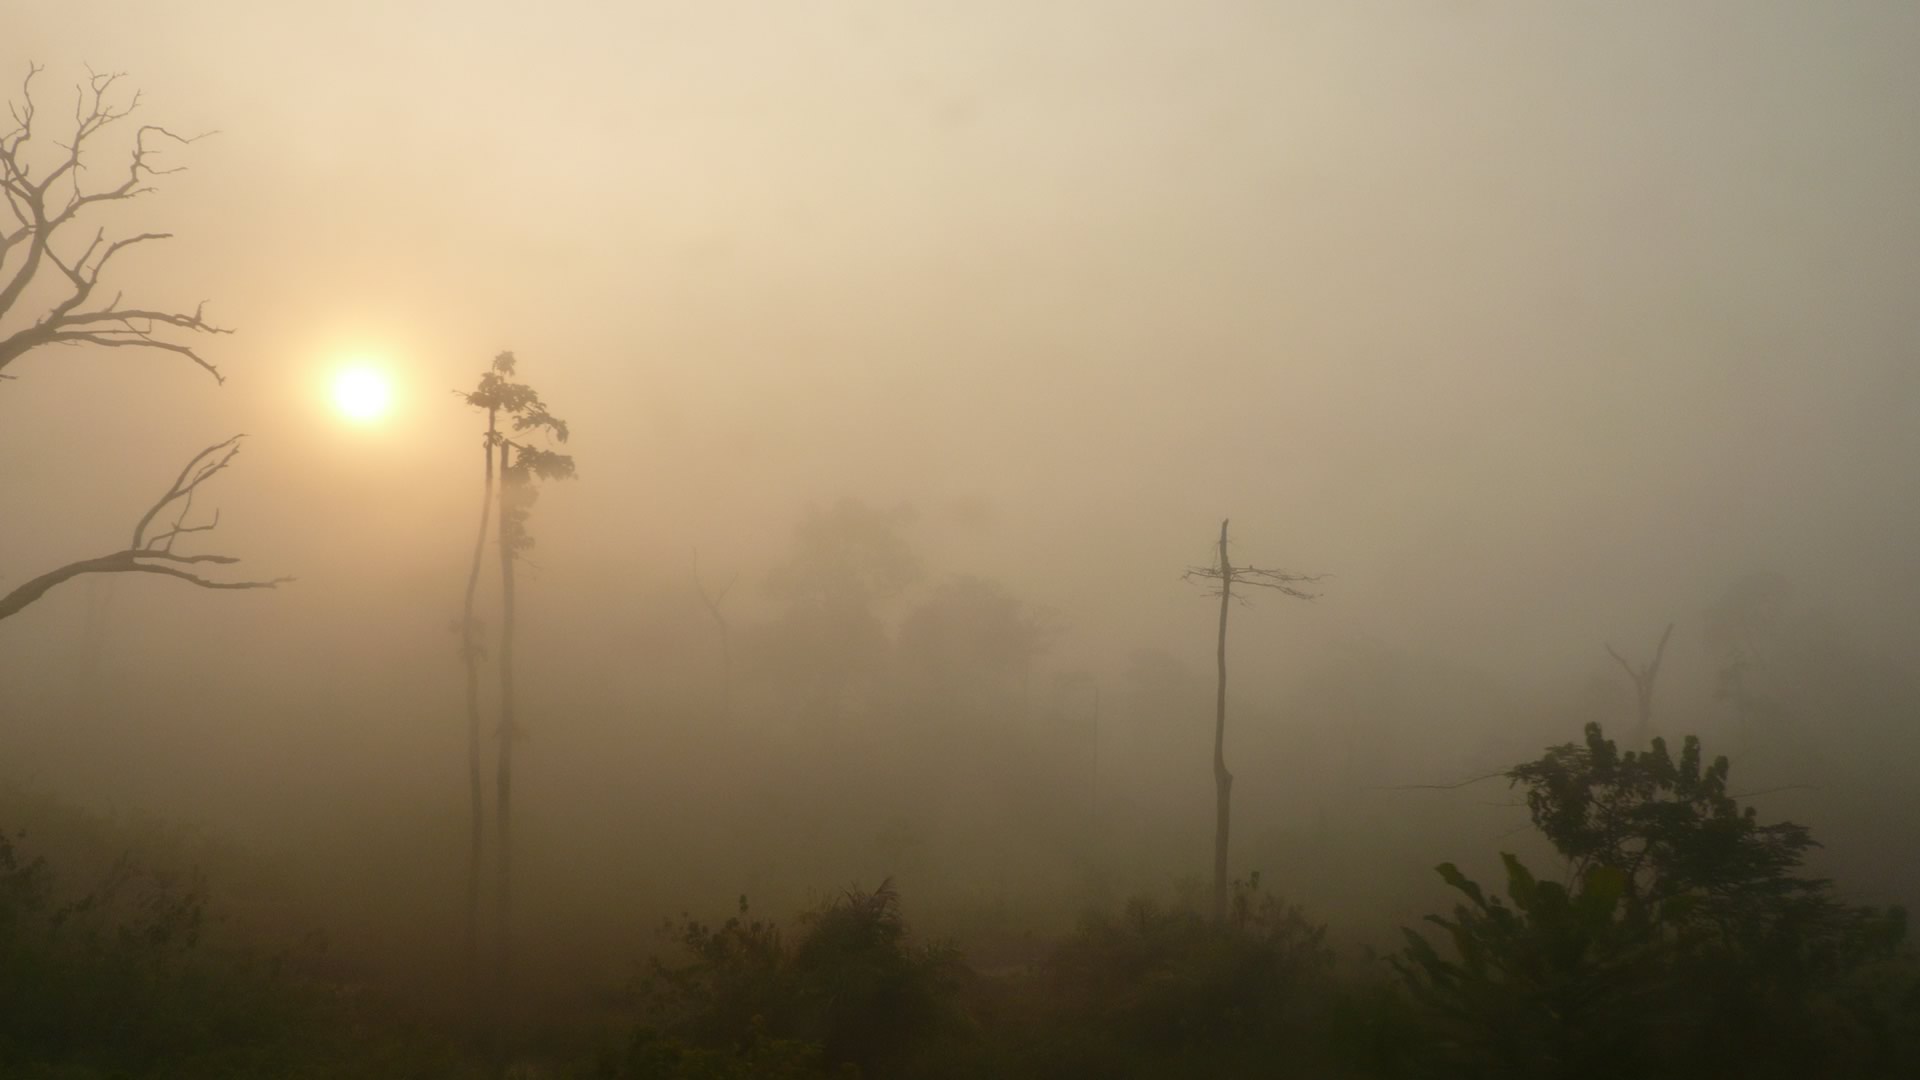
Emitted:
pixel 510 533
pixel 488 396
pixel 1224 575
pixel 520 466
pixel 509 467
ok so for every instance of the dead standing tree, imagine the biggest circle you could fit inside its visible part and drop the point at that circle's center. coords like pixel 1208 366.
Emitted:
pixel 1643 678
pixel 48 298
pixel 1224 575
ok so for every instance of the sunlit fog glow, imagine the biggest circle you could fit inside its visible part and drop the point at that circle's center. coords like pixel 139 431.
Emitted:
pixel 362 394
pixel 669 509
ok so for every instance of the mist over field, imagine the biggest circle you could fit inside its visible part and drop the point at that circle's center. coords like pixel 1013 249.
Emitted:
pixel 910 356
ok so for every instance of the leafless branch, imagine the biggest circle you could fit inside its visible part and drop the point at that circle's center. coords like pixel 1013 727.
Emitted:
pixel 1280 581
pixel 1643 679
pixel 152 553
pixel 197 471
pixel 1622 661
pixel 42 206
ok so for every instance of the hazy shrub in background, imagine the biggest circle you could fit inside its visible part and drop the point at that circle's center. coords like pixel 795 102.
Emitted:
pixel 111 979
pixel 1170 977
pixel 1153 991
pixel 1162 990
pixel 119 982
pixel 852 983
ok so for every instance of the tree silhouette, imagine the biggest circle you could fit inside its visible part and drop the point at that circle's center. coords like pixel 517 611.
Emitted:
pixel 491 397
pixel 151 549
pixel 1226 575
pixel 1643 678
pixel 49 201
pixel 517 465
pixel 48 298
pixel 1685 936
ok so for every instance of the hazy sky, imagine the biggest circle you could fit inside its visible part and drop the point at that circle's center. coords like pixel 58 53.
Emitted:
pixel 1534 323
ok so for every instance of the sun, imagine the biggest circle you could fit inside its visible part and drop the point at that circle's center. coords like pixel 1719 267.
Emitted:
pixel 362 394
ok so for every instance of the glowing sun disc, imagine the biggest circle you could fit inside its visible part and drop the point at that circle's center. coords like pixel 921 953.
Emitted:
pixel 361 394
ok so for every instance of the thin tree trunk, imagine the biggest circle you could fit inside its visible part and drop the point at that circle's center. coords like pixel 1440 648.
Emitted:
pixel 503 801
pixel 1646 689
pixel 726 672
pixel 470 652
pixel 1222 779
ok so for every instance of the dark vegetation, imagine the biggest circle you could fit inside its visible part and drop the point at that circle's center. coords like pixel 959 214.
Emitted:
pixel 132 970
pixel 1679 936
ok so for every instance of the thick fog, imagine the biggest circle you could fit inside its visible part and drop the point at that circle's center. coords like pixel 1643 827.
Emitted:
pixel 1535 328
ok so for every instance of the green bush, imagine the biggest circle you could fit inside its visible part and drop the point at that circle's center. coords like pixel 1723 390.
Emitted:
pixel 1689 945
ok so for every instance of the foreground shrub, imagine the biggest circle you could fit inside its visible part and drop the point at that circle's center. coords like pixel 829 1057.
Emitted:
pixel 852 983
pixel 1689 943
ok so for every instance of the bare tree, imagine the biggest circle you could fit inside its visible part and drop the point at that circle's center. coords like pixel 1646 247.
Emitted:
pixel 1225 575
pixel 1643 678
pixel 151 548
pixel 712 599
pixel 54 280
pixel 48 297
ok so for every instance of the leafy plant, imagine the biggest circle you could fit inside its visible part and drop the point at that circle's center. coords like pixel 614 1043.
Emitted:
pixel 1687 939
pixel 1548 985
pixel 519 465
